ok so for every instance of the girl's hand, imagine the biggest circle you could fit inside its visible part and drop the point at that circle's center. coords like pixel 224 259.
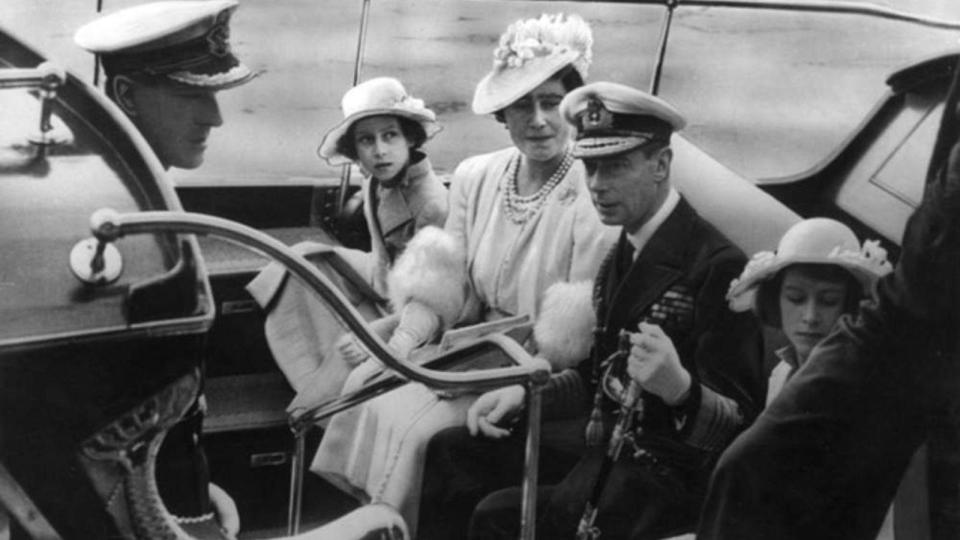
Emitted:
pixel 352 351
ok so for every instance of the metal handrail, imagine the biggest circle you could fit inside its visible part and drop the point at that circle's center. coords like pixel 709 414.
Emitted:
pixel 357 68
pixel 108 226
pixel 664 37
pixel 46 76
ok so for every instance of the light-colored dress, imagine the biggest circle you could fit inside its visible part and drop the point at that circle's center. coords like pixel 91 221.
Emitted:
pixel 378 450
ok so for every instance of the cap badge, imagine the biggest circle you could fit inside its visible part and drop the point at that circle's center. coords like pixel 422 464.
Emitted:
pixel 597 117
pixel 218 36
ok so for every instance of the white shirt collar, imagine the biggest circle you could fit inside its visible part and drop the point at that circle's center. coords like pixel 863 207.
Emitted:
pixel 640 238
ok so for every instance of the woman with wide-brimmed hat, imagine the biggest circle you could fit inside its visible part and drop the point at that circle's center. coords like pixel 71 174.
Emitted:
pixel 520 222
pixel 819 272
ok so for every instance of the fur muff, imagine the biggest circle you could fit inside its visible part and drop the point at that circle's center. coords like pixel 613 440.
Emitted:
pixel 564 328
pixel 432 270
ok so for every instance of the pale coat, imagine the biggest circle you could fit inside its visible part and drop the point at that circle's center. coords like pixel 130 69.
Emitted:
pixel 569 239
pixel 378 450
pixel 420 200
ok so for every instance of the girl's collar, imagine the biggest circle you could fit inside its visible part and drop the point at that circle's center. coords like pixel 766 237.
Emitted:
pixel 414 168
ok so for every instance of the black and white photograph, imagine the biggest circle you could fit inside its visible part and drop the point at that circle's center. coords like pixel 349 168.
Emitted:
pixel 480 269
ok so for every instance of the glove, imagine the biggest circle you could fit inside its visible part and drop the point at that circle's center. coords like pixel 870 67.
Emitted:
pixel 655 365
pixel 492 409
pixel 226 510
pixel 418 324
pixel 351 350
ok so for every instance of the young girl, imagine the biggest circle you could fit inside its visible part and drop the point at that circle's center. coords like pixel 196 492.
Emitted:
pixel 382 132
pixel 818 273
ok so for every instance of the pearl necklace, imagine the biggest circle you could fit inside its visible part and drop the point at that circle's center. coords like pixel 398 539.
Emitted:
pixel 520 208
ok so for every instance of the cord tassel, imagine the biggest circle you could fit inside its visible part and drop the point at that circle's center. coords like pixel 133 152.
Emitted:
pixel 594 434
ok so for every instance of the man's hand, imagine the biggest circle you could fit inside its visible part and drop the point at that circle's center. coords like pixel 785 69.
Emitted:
pixel 225 509
pixel 490 409
pixel 655 365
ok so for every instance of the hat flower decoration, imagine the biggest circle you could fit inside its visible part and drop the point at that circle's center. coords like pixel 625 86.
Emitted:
pixel 871 256
pixel 550 34
pixel 530 52
pixel 811 241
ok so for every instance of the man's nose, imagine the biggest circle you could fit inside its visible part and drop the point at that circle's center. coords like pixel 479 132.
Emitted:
pixel 594 183
pixel 210 112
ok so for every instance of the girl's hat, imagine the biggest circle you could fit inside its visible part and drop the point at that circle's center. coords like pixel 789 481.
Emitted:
pixel 530 52
pixel 811 241
pixel 380 96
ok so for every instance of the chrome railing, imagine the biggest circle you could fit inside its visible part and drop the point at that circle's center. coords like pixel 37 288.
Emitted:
pixel 109 226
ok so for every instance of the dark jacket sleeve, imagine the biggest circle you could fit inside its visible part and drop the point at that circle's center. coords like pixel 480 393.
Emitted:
pixel 925 283
pixel 724 357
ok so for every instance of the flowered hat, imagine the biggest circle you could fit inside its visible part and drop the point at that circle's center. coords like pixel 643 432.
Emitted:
pixel 382 95
pixel 530 52
pixel 811 241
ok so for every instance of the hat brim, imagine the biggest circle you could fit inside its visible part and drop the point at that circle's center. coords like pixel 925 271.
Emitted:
pixel 593 147
pixel 503 86
pixel 742 294
pixel 238 75
pixel 328 145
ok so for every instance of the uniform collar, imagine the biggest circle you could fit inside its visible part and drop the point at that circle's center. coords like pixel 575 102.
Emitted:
pixel 640 238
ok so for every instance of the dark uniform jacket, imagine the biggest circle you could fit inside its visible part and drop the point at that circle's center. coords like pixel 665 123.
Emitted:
pixel 679 281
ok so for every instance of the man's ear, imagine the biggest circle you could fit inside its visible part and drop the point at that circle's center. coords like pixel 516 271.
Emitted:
pixel 123 88
pixel 664 159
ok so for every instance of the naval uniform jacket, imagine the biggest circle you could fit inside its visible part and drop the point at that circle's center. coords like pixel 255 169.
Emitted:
pixel 679 281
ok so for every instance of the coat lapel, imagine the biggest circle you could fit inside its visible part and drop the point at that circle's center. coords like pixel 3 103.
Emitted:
pixel 370 213
pixel 657 267
pixel 394 211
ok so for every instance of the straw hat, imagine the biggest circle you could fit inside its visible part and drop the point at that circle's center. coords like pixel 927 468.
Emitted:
pixel 811 241
pixel 530 52
pixel 379 96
